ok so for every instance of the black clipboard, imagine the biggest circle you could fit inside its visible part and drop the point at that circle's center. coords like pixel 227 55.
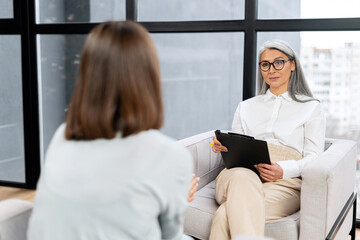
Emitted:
pixel 243 150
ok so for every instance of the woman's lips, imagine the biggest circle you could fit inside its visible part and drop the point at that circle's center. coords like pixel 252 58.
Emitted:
pixel 273 78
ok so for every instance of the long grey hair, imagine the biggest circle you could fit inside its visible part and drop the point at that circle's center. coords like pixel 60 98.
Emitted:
pixel 297 84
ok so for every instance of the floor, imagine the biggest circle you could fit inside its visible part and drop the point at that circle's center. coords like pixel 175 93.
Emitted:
pixel 9 192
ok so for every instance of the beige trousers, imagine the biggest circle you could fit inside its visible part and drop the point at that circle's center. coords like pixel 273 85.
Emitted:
pixel 246 203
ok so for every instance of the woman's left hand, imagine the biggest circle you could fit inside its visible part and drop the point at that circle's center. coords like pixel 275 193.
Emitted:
pixel 269 172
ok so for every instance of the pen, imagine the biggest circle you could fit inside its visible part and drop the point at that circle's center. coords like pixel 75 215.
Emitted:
pixel 211 144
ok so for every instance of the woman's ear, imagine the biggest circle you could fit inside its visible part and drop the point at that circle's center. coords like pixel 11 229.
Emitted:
pixel 293 65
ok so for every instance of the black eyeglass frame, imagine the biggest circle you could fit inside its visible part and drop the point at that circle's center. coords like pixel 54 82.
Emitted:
pixel 272 63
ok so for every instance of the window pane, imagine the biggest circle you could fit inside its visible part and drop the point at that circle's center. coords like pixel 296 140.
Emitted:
pixel 58 63
pixel 186 10
pixel 202 80
pixel 63 11
pixel 12 167
pixel 295 9
pixel 6 9
pixel 270 9
pixel 332 69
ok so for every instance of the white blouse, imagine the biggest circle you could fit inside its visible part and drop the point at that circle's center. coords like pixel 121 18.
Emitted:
pixel 281 120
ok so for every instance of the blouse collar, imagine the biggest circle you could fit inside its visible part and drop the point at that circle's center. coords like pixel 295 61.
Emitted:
pixel 269 95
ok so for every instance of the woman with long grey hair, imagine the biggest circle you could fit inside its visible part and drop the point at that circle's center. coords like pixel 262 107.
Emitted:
pixel 285 115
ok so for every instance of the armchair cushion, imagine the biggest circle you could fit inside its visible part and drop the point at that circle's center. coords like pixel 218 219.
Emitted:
pixel 199 214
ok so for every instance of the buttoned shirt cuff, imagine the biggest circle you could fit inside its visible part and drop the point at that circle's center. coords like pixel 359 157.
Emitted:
pixel 290 168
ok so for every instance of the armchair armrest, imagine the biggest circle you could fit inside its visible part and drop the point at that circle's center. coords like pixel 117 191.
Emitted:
pixel 327 183
pixel 207 164
pixel 14 217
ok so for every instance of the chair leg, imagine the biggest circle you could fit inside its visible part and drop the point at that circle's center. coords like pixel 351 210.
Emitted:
pixel 353 228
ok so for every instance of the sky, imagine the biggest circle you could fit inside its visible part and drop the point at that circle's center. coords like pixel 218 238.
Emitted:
pixel 329 9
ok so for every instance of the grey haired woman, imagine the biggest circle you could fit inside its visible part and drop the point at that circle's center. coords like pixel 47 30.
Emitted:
pixel 291 121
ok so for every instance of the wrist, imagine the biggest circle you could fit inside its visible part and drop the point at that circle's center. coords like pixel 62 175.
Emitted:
pixel 281 171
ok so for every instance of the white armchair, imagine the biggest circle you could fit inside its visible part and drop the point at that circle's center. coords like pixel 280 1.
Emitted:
pixel 328 200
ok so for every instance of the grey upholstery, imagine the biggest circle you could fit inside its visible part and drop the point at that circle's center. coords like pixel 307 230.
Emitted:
pixel 327 184
pixel 14 217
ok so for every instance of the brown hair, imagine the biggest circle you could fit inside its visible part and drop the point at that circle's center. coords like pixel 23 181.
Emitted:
pixel 118 86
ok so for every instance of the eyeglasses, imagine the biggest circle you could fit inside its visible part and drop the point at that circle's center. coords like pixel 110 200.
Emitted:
pixel 277 64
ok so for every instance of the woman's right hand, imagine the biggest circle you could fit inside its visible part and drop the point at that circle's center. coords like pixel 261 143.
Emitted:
pixel 193 188
pixel 217 147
